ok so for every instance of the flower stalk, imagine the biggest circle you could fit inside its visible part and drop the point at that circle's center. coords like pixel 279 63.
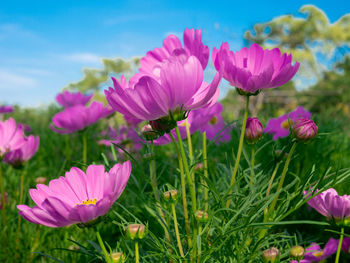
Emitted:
pixel 84 148
pixel 103 248
pixel 205 166
pixel 177 230
pixel 337 257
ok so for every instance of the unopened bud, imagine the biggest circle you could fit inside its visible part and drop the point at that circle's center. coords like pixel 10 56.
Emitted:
pixel 118 257
pixel 270 255
pixel 148 133
pixel 253 130
pixel 198 167
pixel 163 125
pixel 305 129
pixel 40 180
pixel 136 231
pixel 297 252
pixel 201 216
pixel 171 195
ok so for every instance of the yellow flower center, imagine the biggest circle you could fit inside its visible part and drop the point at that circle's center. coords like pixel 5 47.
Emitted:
pixel 318 254
pixel 89 202
pixel 213 120
pixel 285 124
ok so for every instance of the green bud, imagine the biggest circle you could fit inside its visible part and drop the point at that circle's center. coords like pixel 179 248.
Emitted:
pixel 171 195
pixel 201 216
pixel 297 252
pixel 270 255
pixel 118 257
pixel 136 231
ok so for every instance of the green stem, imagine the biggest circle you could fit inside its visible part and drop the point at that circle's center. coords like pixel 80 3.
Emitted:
pixel 183 190
pixel 103 248
pixel 3 202
pixel 205 166
pixel 272 178
pixel 339 245
pixel 20 202
pixel 137 255
pixel 153 175
pixel 199 243
pixel 84 148
pixel 252 164
pixel 284 172
pixel 189 141
pixel 177 231
pixel 239 152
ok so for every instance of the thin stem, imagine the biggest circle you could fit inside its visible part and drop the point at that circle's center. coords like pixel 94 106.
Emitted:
pixel 84 148
pixel 183 190
pixel 177 231
pixel 272 178
pixel 252 164
pixel 137 255
pixel 339 245
pixel 284 172
pixel 153 175
pixel 189 141
pixel 3 203
pixel 103 248
pixel 199 243
pixel 20 202
pixel 239 152
pixel 205 166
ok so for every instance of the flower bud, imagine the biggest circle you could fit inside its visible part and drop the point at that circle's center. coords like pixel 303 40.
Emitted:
pixel 270 255
pixel 118 257
pixel 297 252
pixel 304 129
pixel 201 216
pixel 136 231
pixel 40 180
pixel 163 125
pixel 254 130
pixel 171 195
pixel 148 133
pixel 198 167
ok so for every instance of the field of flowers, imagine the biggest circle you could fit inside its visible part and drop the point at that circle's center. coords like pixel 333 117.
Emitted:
pixel 158 175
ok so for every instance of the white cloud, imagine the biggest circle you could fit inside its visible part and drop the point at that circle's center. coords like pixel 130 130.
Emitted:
pixel 83 57
pixel 9 80
pixel 16 31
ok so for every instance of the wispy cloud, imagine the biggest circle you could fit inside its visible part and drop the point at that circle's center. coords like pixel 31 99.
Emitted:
pixel 10 31
pixel 9 80
pixel 83 57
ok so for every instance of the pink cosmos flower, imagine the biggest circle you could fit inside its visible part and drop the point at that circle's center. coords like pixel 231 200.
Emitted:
pixel 151 63
pixel 254 130
pixel 124 136
pixel 252 69
pixel 131 121
pixel 6 109
pixel 179 89
pixel 24 153
pixel 314 253
pixel 330 204
pixel 166 139
pixel 77 197
pixel 209 120
pixel 11 136
pixel 279 127
pixel 69 99
pixel 78 117
pixel 304 129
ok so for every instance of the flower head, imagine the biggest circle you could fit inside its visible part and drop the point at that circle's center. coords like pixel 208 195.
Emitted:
pixel 270 255
pixel 254 130
pixel 304 129
pixel 209 120
pixel 24 153
pixel 330 204
pixel 179 89
pixel 78 117
pixel 78 197
pixel 6 109
pixel 69 99
pixel 280 126
pixel 151 63
pixel 11 136
pixel 253 69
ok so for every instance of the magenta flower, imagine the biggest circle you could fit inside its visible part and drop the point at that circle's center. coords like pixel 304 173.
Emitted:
pixel 166 139
pixel 11 136
pixel 24 153
pixel 179 89
pixel 131 121
pixel 304 129
pixel 151 63
pixel 253 69
pixel 77 197
pixel 254 130
pixel 279 127
pixel 124 136
pixel 314 253
pixel 6 109
pixel 209 120
pixel 78 117
pixel 330 204
pixel 69 99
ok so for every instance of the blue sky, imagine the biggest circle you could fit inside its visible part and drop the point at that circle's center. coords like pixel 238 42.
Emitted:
pixel 45 44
